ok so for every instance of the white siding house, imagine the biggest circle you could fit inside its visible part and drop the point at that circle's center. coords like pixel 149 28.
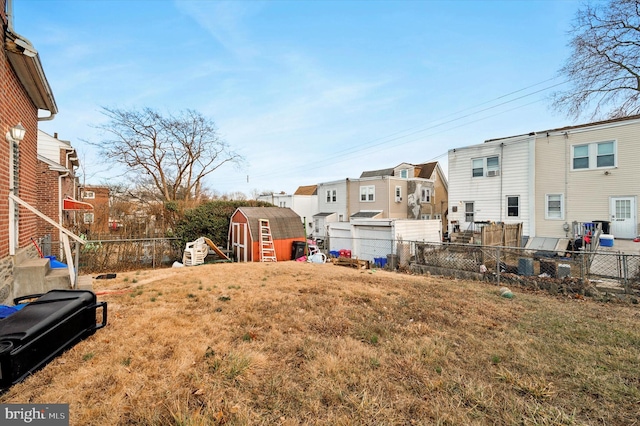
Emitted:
pixel 493 181
pixel 304 202
pixel 549 179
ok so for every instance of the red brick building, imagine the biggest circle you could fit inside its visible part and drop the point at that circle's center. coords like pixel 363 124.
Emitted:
pixel 97 222
pixel 57 182
pixel 24 91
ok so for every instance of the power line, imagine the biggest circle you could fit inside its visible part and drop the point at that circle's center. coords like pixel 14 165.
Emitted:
pixel 343 154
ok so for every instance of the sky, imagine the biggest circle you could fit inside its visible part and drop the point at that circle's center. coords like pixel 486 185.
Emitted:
pixel 306 91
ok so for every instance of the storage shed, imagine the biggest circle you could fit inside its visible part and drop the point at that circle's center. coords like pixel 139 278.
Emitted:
pixel 244 232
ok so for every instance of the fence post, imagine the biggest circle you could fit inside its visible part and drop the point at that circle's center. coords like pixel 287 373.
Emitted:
pixel 625 269
pixel 498 265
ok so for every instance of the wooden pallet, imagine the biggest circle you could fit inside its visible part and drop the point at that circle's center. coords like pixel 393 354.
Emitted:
pixel 351 262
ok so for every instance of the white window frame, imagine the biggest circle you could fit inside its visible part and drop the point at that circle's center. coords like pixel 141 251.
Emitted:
pixel 332 196
pixel 88 217
pixel 88 195
pixel 425 195
pixel 425 216
pixel 547 213
pixel 404 174
pixel 475 165
pixel 368 194
pixel 517 197
pixel 398 193
pixel 475 162
pixel 593 155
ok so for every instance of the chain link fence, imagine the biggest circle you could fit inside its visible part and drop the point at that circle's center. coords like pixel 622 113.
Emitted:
pixel 572 269
pixel 127 254
pixel 575 270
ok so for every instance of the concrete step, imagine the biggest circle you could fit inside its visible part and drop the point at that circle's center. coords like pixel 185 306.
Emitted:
pixel 57 279
pixel 29 276
pixel 35 276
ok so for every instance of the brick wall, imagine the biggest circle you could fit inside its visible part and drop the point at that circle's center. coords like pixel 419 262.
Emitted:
pixel 100 225
pixel 16 106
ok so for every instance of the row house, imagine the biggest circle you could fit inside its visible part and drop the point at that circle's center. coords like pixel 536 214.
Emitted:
pixel 407 191
pixel 26 99
pixel 547 180
pixel 304 201
pixel 57 191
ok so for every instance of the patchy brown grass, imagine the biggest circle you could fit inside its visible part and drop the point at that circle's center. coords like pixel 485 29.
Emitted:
pixel 295 343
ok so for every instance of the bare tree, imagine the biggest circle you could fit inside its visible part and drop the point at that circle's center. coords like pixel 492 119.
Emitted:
pixel 174 153
pixel 604 67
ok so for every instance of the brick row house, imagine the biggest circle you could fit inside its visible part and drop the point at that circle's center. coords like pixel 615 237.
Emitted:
pixel 58 190
pixel 26 99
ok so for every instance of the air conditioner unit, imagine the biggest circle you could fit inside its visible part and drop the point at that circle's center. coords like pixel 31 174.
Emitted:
pixel 492 173
pixel 398 199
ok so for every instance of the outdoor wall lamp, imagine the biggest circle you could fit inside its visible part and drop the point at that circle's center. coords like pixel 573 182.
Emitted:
pixel 16 133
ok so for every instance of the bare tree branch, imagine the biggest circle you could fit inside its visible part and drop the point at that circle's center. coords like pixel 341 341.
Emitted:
pixel 604 67
pixel 174 153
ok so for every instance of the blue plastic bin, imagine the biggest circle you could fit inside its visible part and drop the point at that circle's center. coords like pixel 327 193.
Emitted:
pixel 54 264
pixel 380 262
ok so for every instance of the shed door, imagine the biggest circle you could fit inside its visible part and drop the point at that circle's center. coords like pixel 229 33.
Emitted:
pixel 623 217
pixel 239 241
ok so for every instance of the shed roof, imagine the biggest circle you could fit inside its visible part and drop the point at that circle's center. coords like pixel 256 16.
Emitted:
pixel 366 214
pixel 284 222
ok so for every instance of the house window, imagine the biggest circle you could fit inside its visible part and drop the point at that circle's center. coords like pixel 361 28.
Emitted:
pixel 88 218
pixel 404 173
pixel 468 212
pixel 437 216
pixel 425 195
pixel 398 194
pixel 554 206
pixel 478 167
pixel 425 216
pixel 88 195
pixel 581 157
pixel 368 193
pixel 594 155
pixel 513 206
pixel 332 195
pixel 606 156
pixel 283 204
pixel 491 164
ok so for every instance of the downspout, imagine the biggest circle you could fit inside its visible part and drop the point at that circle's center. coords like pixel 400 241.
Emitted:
pixel 502 201
pixel 60 209
pixel 532 185
pixel 348 200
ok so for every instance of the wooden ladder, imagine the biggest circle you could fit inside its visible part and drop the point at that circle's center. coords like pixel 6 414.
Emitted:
pixel 267 249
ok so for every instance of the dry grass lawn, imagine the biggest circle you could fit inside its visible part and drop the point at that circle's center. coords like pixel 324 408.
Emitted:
pixel 294 343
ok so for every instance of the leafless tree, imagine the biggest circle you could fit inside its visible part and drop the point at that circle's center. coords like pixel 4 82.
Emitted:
pixel 175 152
pixel 604 67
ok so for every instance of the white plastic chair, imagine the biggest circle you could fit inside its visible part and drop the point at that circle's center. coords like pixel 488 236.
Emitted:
pixel 195 252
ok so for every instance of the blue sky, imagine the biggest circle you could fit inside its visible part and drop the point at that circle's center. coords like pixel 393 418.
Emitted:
pixel 307 91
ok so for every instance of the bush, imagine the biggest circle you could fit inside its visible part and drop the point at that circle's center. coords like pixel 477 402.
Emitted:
pixel 211 220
